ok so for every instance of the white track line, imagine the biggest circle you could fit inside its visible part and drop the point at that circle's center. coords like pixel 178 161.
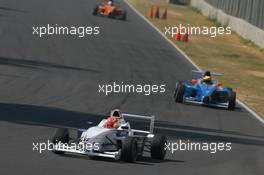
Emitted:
pixel 190 60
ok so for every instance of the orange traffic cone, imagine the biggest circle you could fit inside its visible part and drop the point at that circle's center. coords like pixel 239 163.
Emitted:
pixel 164 15
pixel 178 36
pixel 150 11
pixel 157 15
pixel 186 36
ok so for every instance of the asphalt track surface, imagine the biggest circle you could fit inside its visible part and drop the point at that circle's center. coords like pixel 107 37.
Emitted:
pixel 51 82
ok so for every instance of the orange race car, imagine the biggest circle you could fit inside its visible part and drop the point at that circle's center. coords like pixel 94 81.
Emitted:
pixel 111 10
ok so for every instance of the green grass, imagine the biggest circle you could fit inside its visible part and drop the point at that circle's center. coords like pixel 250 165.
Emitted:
pixel 214 21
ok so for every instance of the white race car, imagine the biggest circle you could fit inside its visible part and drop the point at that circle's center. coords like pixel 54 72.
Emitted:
pixel 113 138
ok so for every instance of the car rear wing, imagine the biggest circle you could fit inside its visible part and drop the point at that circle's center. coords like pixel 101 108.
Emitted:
pixel 151 118
pixel 199 74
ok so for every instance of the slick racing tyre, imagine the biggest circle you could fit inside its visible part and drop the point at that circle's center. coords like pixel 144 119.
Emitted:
pixel 179 91
pixel 61 135
pixel 124 16
pixel 229 88
pixel 232 100
pixel 206 100
pixel 129 150
pixel 112 15
pixel 157 150
pixel 95 11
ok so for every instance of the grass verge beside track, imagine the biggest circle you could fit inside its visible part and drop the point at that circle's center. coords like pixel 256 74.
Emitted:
pixel 241 62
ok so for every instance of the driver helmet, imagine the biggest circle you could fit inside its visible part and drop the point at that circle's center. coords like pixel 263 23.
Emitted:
pixel 114 118
pixel 207 76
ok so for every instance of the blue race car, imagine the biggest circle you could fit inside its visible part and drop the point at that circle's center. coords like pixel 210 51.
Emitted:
pixel 203 90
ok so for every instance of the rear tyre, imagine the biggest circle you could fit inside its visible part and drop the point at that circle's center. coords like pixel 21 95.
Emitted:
pixel 179 91
pixel 124 16
pixel 112 15
pixel 157 150
pixel 61 135
pixel 232 100
pixel 129 150
pixel 230 89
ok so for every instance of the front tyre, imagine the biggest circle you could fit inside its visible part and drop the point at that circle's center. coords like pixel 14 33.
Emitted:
pixel 61 135
pixel 95 11
pixel 129 150
pixel 179 91
pixel 157 149
pixel 232 100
